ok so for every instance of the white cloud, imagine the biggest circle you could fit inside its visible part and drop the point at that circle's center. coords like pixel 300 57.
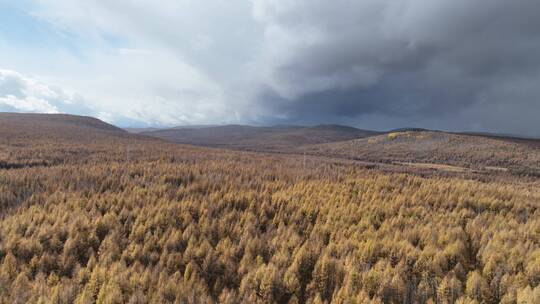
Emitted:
pixel 29 104
pixel 173 63
pixel 19 93
pixel 152 86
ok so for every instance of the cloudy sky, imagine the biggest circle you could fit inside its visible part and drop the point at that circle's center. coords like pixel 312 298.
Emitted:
pixel 379 64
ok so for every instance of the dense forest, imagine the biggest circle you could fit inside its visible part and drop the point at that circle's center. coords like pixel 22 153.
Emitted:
pixel 112 218
pixel 481 153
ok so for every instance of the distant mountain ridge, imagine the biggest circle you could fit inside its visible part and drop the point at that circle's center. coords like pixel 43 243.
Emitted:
pixel 260 138
pixel 407 146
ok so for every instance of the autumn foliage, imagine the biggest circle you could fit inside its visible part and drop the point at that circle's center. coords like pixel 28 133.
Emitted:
pixel 124 221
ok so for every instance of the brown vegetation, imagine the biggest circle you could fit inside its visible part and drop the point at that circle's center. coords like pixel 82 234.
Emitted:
pixel 133 220
pixel 278 138
pixel 517 156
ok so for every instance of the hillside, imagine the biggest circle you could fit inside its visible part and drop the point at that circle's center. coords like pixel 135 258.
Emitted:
pixel 429 147
pixel 276 138
pixel 56 125
pixel 126 219
pixel 413 148
pixel 80 137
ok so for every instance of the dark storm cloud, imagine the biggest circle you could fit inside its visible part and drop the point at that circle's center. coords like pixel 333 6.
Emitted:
pixel 459 63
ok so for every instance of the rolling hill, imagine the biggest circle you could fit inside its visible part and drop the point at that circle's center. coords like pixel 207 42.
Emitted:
pixel 55 138
pixel 413 148
pixel 58 125
pixel 277 138
pixel 93 214
pixel 406 148
pixel 425 148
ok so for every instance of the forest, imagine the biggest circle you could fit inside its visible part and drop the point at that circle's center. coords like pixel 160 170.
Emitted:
pixel 126 219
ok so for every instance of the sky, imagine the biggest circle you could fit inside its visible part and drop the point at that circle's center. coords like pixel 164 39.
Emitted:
pixel 456 65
